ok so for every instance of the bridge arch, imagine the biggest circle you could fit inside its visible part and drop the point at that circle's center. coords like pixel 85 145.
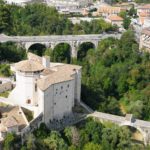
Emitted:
pixel 62 52
pixel 83 49
pixel 37 48
pixel 143 133
pixel 95 43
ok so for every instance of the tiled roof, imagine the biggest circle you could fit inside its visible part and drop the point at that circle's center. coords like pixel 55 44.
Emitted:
pixel 9 122
pixel 115 18
pixel 62 73
pixel 144 14
pixel 146 31
pixel 11 116
pixel 109 9
pixel 34 57
pixel 147 6
pixel 29 66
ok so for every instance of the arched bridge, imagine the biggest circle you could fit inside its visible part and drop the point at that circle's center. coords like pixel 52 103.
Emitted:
pixel 142 126
pixel 51 41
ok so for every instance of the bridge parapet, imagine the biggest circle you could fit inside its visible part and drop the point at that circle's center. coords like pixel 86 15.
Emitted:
pixel 51 41
pixel 142 126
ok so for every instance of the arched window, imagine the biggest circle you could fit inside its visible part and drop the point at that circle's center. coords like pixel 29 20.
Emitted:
pixel 35 87
pixel 28 101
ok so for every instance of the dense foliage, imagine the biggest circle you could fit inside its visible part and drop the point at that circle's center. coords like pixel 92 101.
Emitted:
pixel 39 19
pixel 10 52
pixel 88 135
pixel 116 77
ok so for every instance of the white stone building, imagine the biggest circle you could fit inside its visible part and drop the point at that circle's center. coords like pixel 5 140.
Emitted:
pixel 115 20
pixel 44 87
pixel 70 3
pixel 18 2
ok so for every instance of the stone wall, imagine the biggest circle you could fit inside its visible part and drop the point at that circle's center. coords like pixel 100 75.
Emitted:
pixel 5 87
pixel 34 124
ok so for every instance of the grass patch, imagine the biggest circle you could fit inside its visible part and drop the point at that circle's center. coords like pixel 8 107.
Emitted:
pixel 28 114
pixel 5 70
pixel 3 104
pixel 4 94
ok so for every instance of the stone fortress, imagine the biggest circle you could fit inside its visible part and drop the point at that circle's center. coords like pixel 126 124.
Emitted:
pixel 44 87
pixel 50 91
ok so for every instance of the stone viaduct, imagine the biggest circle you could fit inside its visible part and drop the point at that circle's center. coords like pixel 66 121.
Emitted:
pixel 51 41
pixel 142 126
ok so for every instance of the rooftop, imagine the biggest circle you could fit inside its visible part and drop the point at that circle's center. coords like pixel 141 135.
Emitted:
pixel 109 9
pixel 55 73
pixel 146 31
pixel 29 66
pixel 60 73
pixel 144 14
pixel 147 6
pixel 115 18
pixel 11 116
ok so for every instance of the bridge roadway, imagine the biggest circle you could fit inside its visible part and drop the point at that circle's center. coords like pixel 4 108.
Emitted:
pixel 119 119
pixel 52 40
pixel 55 38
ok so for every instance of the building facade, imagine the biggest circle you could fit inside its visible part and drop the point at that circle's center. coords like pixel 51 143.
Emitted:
pixel 115 20
pixel 44 87
pixel 145 39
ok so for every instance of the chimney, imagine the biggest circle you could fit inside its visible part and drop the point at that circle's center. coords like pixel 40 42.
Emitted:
pixel 46 61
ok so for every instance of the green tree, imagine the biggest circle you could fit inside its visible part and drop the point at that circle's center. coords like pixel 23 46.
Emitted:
pixel 92 146
pixel 9 141
pixel 31 142
pixel 5 18
pixel 61 53
pixel 116 138
pixel 55 142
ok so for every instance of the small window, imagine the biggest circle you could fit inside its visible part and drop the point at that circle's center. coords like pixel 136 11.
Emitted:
pixel 35 87
pixel 66 96
pixel 28 101
pixel 61 87
pixel 68 85
pixel 20 112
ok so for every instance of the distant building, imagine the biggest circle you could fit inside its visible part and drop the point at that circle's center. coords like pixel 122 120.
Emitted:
pixel 106 11
pixel 18 2
pixel 69 4
pixel 125 6
pixel 145 39
pixel 78 3
pixel 143 18
pixel 75 20
pixel 144 9
pixel 85 12
pixel 115 20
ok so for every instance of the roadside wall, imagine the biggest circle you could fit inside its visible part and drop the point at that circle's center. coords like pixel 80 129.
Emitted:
pixel 5 87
